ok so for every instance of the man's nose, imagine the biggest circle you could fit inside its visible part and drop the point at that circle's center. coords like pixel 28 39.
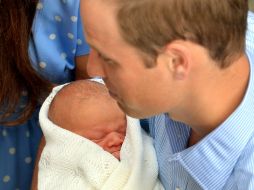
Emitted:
pixel 94 65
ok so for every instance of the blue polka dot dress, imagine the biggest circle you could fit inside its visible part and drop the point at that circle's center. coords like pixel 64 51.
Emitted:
pixel 18 146
pixel 57 39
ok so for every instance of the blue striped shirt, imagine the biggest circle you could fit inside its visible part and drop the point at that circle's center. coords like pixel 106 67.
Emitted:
pixel 224 159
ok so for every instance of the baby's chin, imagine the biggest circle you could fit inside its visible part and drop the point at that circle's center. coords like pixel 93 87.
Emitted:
pixel 116 154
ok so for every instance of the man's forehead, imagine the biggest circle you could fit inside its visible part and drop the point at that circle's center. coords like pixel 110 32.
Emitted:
pixel 103 40
pixel 100 29
pixel 98 17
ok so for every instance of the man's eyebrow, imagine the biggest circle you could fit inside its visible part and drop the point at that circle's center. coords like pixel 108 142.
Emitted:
pixel 96 49
pixel 101 53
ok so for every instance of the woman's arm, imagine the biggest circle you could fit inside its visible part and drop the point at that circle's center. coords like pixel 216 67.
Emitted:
pixel 80 70
pixel 34 185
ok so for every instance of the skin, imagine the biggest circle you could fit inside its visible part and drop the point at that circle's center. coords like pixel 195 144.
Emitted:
pixel 185 82
pixel 80 69
pixel 129 96
pixel 97 118
pixel 105 124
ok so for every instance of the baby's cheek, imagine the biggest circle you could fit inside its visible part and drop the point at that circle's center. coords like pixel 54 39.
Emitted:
pixel 116 154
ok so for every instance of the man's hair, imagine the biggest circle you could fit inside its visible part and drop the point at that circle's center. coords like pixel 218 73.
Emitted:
pixel 217 25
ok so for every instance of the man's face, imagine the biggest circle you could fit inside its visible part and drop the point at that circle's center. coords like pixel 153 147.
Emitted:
pixel 139 91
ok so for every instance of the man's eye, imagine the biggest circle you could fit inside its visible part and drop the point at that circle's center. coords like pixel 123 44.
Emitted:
pixel 101 56
pixel 107 60
pixel 104 58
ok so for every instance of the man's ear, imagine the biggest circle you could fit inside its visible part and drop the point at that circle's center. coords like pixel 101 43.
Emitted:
pixel 176 57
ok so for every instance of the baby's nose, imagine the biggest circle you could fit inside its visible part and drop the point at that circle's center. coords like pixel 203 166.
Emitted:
pixel 115 139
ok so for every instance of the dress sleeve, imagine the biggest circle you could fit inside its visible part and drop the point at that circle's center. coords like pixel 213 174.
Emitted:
pixel 83 48
pixel 57 38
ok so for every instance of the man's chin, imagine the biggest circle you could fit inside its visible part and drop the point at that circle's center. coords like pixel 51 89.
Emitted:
pixel 114 96
pixel 131 112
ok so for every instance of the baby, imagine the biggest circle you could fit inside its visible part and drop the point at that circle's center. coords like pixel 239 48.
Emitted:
pixel 91 144
pixel 85 108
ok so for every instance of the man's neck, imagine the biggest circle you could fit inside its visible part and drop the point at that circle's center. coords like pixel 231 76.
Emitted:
pixel 217 99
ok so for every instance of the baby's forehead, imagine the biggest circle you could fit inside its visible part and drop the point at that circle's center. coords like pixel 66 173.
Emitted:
pixel 90 98
pixel 84 90
pixel 115 124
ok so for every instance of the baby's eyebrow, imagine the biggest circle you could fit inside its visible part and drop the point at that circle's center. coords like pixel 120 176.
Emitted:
pixel 96 133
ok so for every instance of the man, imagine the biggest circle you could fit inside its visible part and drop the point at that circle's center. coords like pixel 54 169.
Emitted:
pixel 185 62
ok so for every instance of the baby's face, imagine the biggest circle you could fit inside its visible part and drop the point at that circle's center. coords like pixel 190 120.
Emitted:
pixel 104 124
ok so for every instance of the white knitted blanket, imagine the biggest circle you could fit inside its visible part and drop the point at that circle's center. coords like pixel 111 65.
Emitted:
pixel 72 162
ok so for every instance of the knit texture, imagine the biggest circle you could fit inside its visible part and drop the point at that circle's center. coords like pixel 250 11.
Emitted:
pixel 72 162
